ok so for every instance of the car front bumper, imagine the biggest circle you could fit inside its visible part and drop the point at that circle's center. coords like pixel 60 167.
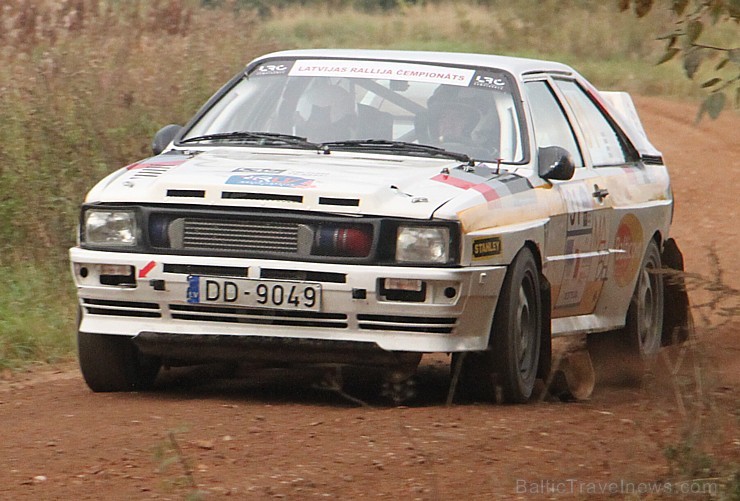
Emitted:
pixel 353 310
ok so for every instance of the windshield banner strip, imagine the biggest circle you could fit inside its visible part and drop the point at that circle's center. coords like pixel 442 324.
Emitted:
pixel 382 69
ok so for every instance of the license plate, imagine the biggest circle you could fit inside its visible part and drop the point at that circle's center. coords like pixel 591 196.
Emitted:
pixel 280 294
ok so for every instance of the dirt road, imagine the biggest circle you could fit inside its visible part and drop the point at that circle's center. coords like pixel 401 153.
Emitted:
pixel 274 435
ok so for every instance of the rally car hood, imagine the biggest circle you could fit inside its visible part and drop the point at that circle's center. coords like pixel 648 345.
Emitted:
pixel 339 182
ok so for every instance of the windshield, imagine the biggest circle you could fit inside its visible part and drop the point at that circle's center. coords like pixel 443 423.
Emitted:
pixel 356 104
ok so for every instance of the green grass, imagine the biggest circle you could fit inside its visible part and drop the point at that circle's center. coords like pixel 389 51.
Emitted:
pixel 614 50
pixel 37 315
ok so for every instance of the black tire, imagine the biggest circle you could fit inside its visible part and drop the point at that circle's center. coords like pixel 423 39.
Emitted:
pixel 622 356
pixel 475 380
pixel 516 335
pixel 644 326
pixel 509 368
pixel 113 363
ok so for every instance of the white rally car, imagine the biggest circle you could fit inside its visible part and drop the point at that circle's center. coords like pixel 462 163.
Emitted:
pixel 348 207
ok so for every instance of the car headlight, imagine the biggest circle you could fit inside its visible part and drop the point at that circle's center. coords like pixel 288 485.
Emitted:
pixel 110 227
pixel 423 244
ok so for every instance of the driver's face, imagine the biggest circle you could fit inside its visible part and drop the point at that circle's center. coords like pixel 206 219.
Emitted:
pixel 452 122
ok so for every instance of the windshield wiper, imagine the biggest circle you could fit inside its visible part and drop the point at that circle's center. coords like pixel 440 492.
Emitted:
pixel 397 147
pixel 261 138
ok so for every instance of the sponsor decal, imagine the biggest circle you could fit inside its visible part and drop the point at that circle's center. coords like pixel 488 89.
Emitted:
pixel 587 266
pixel 491 190
pixel 638 175
pixel 514 184
pixel 271 180
pixel 256 170
pixel 629 241
pixel 383 69
pixel 571 290
pixel 577 196
pixel 489 80
pixel 453 181
pixel 146 269
pixel 488 192
pixel 486 247
pixel 579 223
pixel 283 172
pixel 273 68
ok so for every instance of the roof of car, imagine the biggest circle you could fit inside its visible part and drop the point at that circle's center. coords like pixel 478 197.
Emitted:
pixel 516 65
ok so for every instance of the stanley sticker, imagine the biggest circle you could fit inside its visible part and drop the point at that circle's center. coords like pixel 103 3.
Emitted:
pixel 486 247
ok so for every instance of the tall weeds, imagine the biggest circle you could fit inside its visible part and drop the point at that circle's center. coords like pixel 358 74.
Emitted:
pixel 700 457
pixel 85 84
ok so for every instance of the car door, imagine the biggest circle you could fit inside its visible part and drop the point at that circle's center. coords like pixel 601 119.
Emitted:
pixel 576 250
pixel 624 183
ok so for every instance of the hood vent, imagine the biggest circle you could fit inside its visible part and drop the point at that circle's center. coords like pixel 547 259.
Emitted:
pixel 237 195
pixel 652 159
pixel 149 172
pixel 186 193
pixel 344 202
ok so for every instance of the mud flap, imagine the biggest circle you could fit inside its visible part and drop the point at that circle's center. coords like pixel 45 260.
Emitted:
pixel 677 319
pixel 545 361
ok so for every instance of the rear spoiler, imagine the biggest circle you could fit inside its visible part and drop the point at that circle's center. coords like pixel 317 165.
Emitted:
pixel 626 115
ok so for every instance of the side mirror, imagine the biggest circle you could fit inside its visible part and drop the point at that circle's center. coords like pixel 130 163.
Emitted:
pixel 164 136
pixel 555 162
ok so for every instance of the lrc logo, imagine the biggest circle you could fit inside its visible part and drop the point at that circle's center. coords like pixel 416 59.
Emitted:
pixel 489 81
pixel 272 68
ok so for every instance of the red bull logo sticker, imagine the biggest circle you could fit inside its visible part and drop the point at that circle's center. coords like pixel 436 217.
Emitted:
pixel 629 242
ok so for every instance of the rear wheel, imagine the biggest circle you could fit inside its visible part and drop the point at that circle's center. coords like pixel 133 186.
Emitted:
pixel 621 356
pixel 113 363
pixel 645 315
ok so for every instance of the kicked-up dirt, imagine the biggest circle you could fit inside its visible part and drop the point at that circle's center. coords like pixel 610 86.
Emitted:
pixel 275 434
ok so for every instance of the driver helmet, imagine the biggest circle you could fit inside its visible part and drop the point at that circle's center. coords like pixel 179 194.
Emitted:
pixel 325 112
pixel 452 115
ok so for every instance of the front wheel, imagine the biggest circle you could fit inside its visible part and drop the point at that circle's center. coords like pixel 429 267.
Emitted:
pixel 508 369
pixel 517 328
pixel 113 363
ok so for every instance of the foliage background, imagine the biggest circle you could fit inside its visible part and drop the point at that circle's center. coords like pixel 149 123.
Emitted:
pixel 84 85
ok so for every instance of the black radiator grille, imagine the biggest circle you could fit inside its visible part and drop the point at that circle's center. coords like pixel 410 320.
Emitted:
pixel 240 235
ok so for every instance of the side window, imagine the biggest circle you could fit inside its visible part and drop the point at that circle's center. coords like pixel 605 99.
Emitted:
pixel 551 126
pixel 604 145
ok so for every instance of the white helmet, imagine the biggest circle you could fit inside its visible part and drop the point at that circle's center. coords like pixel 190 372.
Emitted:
pixel 325 112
